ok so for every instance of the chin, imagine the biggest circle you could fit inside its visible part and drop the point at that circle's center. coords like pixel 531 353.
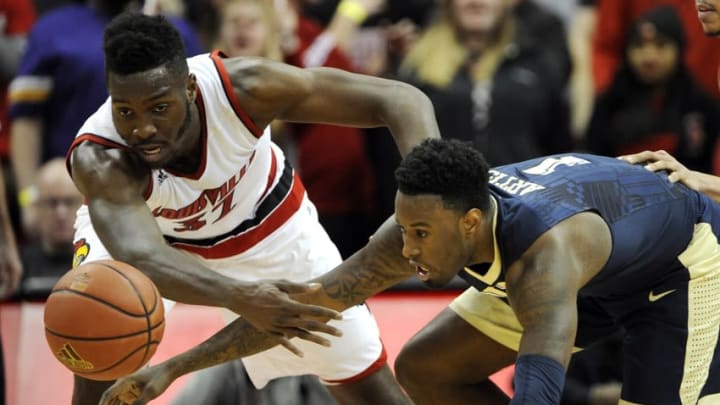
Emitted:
pixel 436 284
pixel 711 29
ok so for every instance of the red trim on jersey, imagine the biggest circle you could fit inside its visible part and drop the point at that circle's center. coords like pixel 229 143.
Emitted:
pixel 217 57
pixel 244 241
pixel 203 141
pixel 271 177
pixel 97 139
pixel 377 365
pixel 92 138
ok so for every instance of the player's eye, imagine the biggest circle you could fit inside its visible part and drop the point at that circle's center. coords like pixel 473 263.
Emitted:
pixel 160 108
pixel 421 233
pixel 124 112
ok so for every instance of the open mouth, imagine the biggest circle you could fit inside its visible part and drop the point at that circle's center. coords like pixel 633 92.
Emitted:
pixel 423 272
pixel 150 153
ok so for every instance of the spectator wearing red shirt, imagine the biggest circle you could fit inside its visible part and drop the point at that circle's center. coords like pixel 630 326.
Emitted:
pixel 614 17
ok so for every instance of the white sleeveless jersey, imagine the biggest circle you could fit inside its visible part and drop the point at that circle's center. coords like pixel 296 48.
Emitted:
pixel 243 189
pixel 248 217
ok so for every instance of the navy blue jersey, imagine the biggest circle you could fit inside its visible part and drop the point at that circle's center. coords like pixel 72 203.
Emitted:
pixel 651 220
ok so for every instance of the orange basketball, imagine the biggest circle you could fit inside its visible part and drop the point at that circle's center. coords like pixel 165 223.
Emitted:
pixel 104 319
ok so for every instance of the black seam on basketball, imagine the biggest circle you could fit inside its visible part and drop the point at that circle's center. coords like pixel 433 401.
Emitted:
pixel 98 338
pixel 101 338
pixel 116 363
pixel 100 300
pixel 148 330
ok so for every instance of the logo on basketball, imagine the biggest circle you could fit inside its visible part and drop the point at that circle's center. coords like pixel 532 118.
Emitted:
pixel 68 356
pixel 80 282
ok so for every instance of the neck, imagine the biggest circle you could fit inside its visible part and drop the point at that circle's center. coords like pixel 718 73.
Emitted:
pixel 476 43
pixel 190 151
pixel 484 249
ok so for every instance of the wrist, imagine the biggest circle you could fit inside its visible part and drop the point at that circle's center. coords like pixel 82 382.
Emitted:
pixel 353 10
pixel 239 291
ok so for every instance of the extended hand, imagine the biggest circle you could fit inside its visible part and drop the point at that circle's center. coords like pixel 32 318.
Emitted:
pixel 661 160
pixel 269 308
pixel 138 388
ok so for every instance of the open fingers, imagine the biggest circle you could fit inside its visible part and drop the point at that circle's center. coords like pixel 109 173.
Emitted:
pixel 311 337
pixel 646 156
pixel 313 311
pixel 293 324
pixel 285 342
pixel 669 165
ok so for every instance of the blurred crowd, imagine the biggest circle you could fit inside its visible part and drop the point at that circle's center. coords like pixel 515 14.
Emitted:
pixel 516 78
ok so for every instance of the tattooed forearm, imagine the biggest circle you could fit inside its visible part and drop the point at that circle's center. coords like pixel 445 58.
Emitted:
pixel 236 340
pixel 374 268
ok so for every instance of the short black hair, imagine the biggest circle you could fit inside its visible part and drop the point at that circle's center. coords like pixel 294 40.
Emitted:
pixel 136 42
pixel 452 169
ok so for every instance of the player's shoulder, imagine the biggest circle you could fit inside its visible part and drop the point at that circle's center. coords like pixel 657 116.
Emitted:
pixel 212 69
pixel 252 73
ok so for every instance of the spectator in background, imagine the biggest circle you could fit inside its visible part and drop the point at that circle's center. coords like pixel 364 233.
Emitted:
pixel 16 19
pixel 61 81
pixel 51 256
pixel 582 92
pixel 491 80
pixel 614 17
pixel 653 101
pixel 545 26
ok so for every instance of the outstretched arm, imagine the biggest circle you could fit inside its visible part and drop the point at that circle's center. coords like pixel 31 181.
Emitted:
pixel 269 90
pixel 374 268
pixel 661 160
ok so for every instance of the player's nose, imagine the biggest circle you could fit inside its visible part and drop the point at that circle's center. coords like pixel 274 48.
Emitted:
pixel 145 131
pixel 410 252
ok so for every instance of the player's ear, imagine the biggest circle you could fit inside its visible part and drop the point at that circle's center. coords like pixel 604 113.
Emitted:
pixel 470 221
pixel 191 87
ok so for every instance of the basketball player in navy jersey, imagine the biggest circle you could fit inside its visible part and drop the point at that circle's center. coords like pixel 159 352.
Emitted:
pixel 560 252
pixel 183 181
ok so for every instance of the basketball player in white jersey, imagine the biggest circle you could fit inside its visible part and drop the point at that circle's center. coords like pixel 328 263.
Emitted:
pixel 182 181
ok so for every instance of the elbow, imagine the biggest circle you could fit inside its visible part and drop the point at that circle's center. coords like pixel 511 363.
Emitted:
pixel 410 98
